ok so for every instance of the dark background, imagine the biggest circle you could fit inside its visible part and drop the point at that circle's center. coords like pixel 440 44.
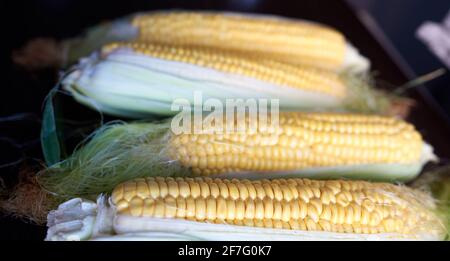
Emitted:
pixel 398 20
pixel 22 92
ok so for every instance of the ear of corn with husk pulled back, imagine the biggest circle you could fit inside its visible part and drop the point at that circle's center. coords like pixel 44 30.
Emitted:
pixel 313 145
pixel 140 79
pixel 287 40
pixel 279 209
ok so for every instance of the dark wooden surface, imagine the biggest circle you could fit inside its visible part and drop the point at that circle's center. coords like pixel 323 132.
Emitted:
pixel 24 92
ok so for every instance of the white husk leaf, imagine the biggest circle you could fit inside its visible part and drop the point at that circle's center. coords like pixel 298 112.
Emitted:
pixel 73 221
pixel 354 61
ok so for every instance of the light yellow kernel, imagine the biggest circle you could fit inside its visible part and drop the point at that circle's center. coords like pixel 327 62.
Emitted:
pixel 311 224
pixel 365 217
pixel 180 207
pixel 170 207
pixel 268 190
pixel 204 189
pixel 223 189
pixel 195 189
pixel 286 211
pixel 260 192
pixel 163 188
pixel 243 190
pixel 317 203
pixel 159 208
pixel 190 207
pixel 268 208
pixel 231 209
pixel 211 208
pixel 240 209
pixel 249 208
pixel 200 209
pixel 117 194
pixel 173 188
pixel 121 204
pixel 129 190
pixel 277 210
pixel 214 189
pixel 312 213
pixel 233 190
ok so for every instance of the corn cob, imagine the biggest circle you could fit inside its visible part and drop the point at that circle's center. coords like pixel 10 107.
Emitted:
pixel 285 40
pixel 302 141
pixel 310 145
pixel 268 209
pixel 332 206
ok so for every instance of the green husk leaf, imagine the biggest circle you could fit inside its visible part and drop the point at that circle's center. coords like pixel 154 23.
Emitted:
pixel 50 133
